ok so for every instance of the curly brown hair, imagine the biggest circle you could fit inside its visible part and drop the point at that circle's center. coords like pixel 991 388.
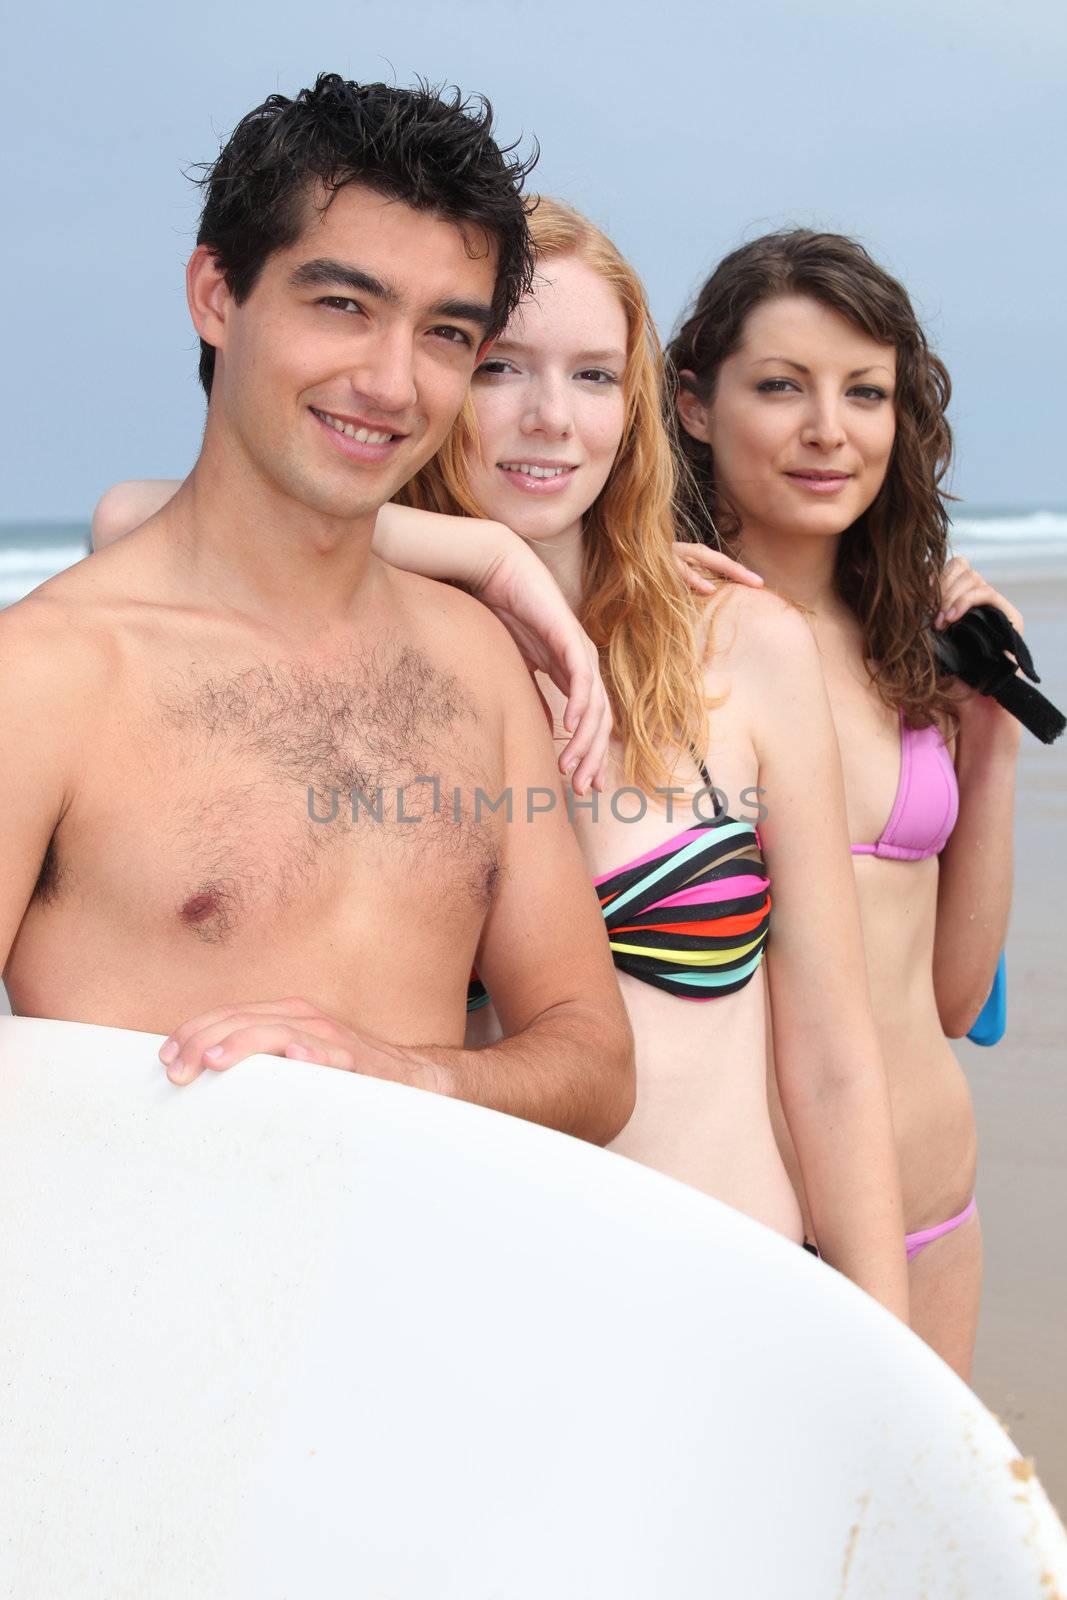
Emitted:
pixel 891 557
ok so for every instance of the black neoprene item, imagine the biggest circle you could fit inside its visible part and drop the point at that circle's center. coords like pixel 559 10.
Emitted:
pixel 975 649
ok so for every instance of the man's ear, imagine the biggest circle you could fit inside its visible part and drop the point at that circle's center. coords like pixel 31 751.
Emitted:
pixel 208 295
pixel 692 411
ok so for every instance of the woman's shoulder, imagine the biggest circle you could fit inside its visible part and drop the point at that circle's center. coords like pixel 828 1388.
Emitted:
pixel 753 631
pixel 126 505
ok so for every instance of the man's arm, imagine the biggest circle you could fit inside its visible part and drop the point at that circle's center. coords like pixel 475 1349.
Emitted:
pixel 35 753
pixel 544 957
pixel 567 1060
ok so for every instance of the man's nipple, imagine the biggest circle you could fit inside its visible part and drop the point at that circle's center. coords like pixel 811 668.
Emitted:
pixel 209 913
pixel 198 908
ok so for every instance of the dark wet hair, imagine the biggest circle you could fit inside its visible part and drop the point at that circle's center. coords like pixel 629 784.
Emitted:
pixel 431 148
pixel 889 557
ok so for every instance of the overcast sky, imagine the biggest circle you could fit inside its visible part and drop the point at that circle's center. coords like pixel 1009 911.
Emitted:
pixel 934 131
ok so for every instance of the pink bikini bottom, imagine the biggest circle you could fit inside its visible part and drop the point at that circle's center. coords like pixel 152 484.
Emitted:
pixel 918 1241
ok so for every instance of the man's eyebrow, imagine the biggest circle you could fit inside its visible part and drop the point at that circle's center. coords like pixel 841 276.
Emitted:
pixel 327 274
pixel 784 361
pixel 475 311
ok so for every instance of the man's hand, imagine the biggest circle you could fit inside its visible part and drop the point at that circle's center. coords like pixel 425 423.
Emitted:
pixel 701 566
pixel 293 1028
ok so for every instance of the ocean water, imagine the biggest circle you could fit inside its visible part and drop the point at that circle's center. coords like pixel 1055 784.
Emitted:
pixel 1030 541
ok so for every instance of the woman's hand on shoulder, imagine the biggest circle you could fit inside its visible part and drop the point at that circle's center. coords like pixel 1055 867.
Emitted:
pixel 703 568
pixel 126 505
pixel 962 588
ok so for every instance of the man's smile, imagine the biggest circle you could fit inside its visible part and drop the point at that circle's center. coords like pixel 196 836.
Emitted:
pixel 359 439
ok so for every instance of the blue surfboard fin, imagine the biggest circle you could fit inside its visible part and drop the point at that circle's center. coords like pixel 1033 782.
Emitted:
pixel 993 1017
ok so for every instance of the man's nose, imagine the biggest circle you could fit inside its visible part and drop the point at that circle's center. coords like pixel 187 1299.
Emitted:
pixel 385 373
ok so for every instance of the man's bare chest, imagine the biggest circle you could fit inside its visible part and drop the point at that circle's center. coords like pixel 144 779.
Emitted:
pixel 222 803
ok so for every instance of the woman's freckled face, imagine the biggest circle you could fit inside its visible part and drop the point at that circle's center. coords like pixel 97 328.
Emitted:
pixel 802 422
pixel 549 396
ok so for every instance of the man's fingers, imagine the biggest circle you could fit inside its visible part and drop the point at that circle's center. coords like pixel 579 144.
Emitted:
pixel 322 1055
pixel 293 1006
pixel 223 1043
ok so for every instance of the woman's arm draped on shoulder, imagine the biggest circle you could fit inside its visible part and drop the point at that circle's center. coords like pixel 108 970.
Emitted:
pixel 827 1058
pixel 503 573
pixel 125 506
pixel 975 884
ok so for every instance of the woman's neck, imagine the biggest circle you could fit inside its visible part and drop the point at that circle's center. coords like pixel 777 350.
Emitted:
pixel 797 566
pixel 562 555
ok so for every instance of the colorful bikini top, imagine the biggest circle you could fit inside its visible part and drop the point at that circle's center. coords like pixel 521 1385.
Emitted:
pixel 691 915
pixel 927 801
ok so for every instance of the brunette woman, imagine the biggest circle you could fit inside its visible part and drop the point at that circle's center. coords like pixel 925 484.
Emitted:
pixel 813 424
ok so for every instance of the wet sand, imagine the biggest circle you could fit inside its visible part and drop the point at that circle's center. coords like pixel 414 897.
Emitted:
pixel 1020 1094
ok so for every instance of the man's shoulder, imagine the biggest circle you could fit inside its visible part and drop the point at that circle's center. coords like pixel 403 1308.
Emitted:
pixel 456 617
pixel 52 642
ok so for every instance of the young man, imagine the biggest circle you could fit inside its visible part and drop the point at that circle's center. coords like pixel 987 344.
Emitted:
pixel 243 755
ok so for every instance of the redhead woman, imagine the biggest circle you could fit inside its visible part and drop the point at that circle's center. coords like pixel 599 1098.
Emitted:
pixel 813 422
pixel 721 722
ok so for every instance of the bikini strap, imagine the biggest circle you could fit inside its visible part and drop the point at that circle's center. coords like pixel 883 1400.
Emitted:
pixel 720 809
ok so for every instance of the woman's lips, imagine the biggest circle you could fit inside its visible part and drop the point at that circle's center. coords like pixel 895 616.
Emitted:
pixel 817 483
pixel 529 484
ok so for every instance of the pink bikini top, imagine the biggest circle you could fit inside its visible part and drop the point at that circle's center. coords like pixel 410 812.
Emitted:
pixel 928 800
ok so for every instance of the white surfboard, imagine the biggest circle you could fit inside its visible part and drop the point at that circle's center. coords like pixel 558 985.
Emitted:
pixel 292 1333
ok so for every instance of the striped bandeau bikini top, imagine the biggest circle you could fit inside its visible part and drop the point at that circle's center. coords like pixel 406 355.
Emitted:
pixel 690 916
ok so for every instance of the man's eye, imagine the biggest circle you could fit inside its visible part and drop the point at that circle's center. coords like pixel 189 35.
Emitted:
pixel 340 302
pixel 455 336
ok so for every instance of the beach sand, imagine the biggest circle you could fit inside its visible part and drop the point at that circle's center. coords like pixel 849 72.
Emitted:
pixel 1020 1094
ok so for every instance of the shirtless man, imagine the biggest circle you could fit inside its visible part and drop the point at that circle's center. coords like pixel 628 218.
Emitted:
pixel 183 711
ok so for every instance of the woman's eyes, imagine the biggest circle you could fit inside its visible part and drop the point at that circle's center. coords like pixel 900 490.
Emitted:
pixel 495 368
pixel 862 391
